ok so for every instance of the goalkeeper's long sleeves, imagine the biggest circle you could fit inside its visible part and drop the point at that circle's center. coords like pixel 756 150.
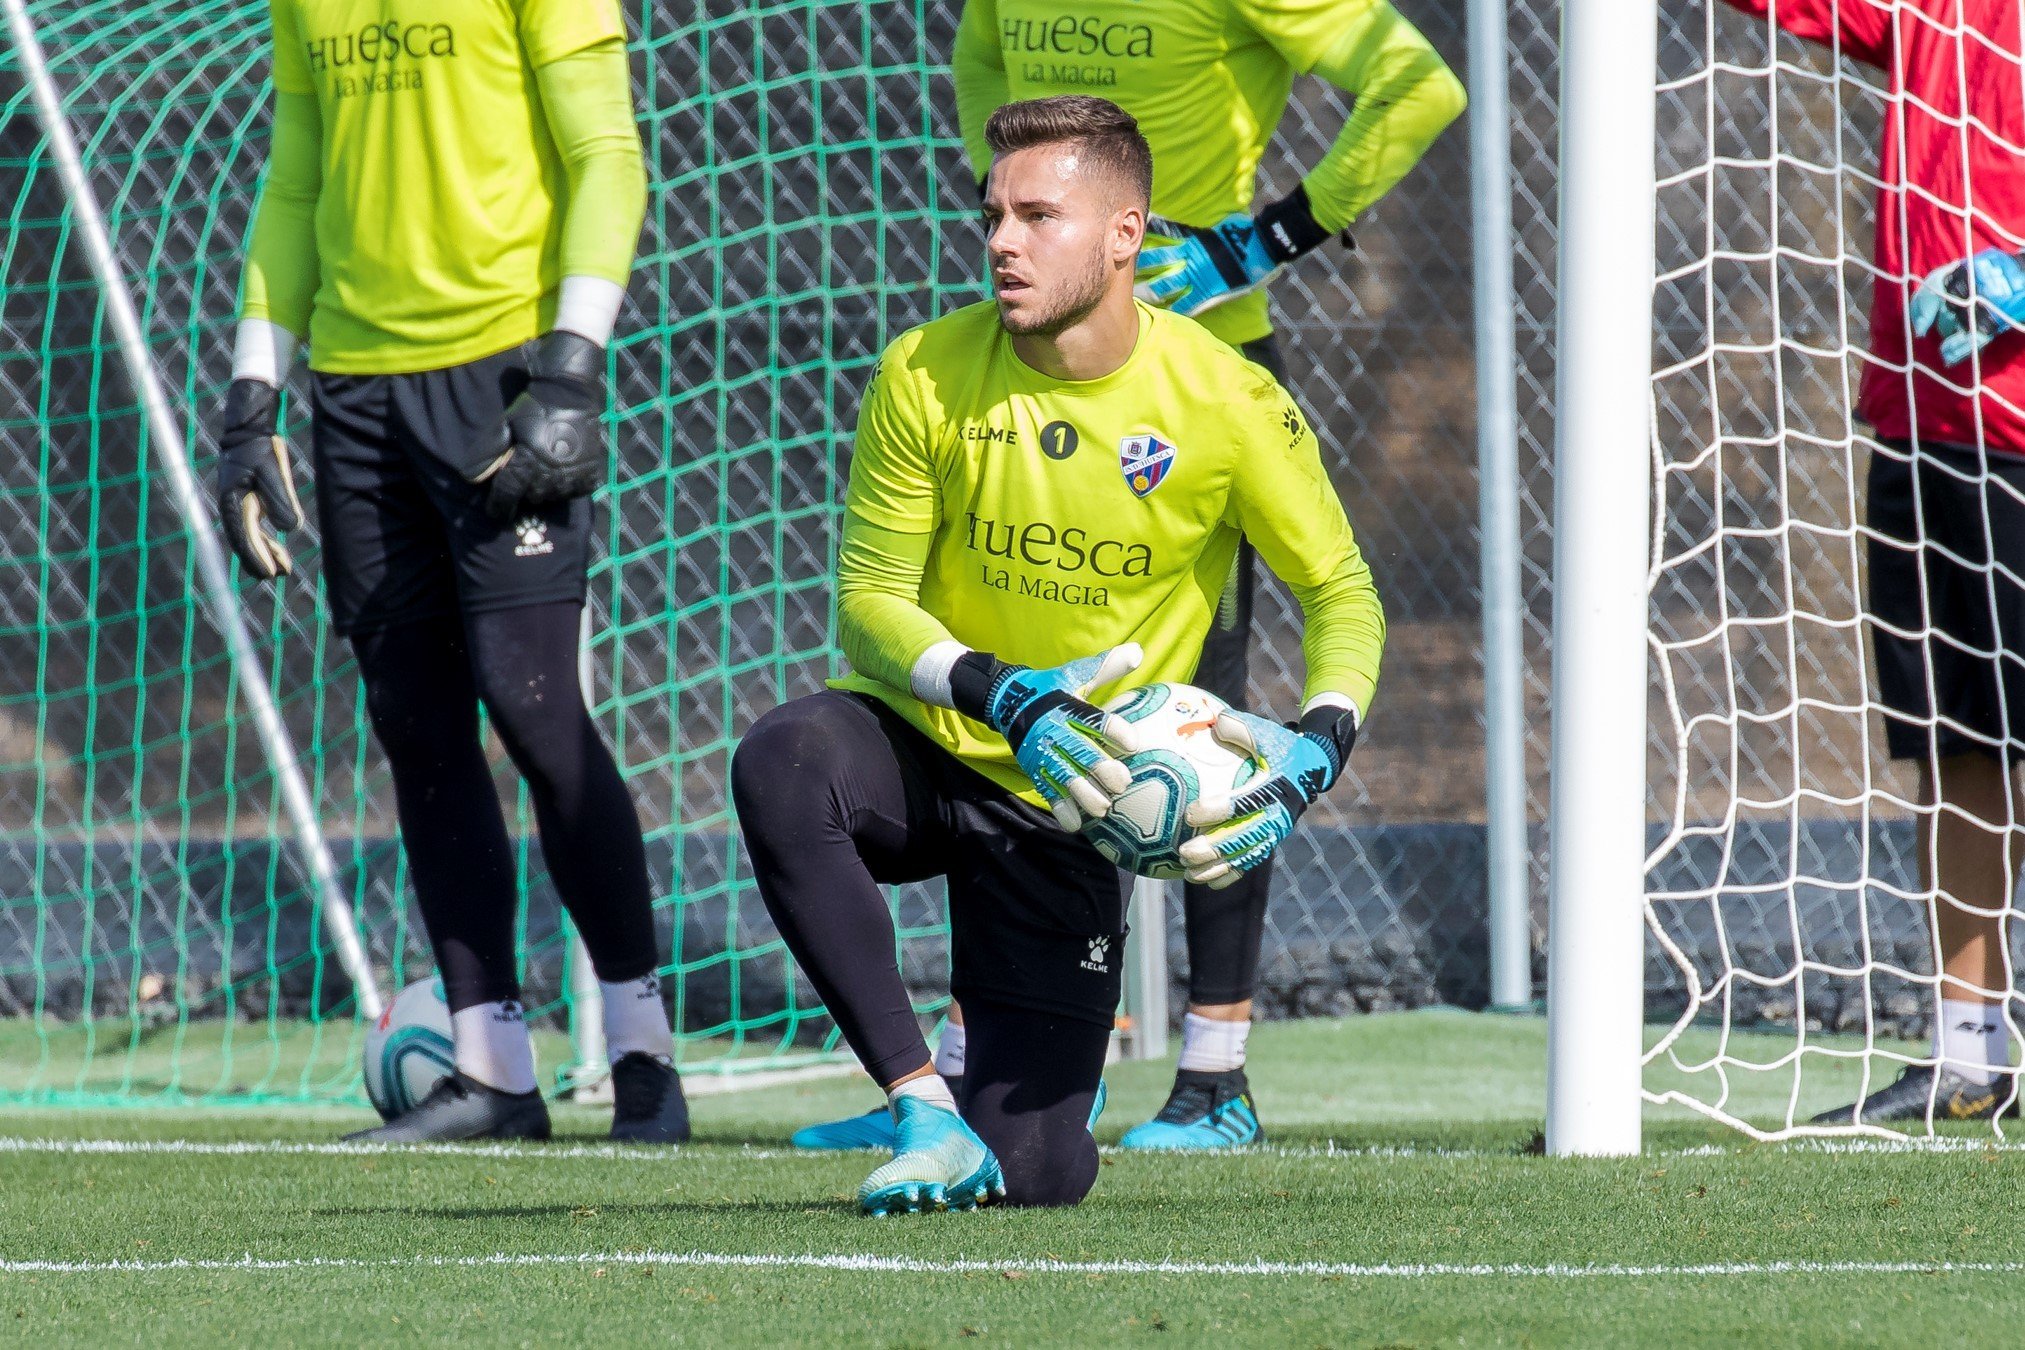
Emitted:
pixel 279 280
pixel 588 101
pixel 881 625
pixel 1342 633
pixel 1405 96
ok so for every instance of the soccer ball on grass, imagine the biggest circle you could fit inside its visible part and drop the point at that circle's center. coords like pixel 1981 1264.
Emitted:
pixel 408 1050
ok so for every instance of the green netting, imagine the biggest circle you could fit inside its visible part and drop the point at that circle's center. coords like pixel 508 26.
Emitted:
pixel 157 940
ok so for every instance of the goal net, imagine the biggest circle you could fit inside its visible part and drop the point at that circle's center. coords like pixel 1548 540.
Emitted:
pixel 158 940
pixel 1790 900
pixel 157 937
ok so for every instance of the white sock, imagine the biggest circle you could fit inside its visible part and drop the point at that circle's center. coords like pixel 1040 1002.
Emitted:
pixel 1212 1047
pixel 1972 1039
pixel 929 1087
pixel 493 1045
pixel 949 1050
pixel 636 1020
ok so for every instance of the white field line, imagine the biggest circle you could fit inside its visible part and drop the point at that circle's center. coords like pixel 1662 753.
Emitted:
pixel 903 1265
pixel 640 1153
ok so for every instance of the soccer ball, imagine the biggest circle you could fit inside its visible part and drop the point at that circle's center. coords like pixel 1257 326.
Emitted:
pixel 409 1051
pixel 1180 761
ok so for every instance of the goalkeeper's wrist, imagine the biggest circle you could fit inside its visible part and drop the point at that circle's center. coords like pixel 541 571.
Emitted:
pixel 1288 228
pixel 929 678
pixel 974 678
pixel 589 307
pixel 263 350
pixel 252 412
pixel 1332 720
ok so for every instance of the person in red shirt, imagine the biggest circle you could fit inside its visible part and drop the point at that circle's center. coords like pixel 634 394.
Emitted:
pixel 1944 391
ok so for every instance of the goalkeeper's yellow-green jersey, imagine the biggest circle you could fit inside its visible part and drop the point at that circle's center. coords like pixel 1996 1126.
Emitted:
pixel 1208 81
pixel 414 148
pixel 1059 518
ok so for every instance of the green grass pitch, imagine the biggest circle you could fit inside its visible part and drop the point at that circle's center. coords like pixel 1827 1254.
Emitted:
pixel 1398 1206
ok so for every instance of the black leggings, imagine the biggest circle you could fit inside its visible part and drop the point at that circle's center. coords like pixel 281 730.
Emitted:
pixel 834 800
pixel 424 684
pixel 1224 928
pixel 1029 1081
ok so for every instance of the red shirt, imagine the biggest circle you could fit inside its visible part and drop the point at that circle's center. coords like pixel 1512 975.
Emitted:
pixel 1969 195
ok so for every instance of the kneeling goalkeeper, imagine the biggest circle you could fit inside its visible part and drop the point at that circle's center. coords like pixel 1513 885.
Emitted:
pixel 1046 497
pixel 449 214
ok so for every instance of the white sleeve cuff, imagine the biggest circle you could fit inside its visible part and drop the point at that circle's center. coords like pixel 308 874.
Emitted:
pixel 1329 698
pixel 263 350
pixel 930 677
pixel 589 307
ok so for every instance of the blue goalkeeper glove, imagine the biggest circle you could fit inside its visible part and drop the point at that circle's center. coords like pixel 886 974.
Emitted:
pixel 1246 828
pixel 1067 745
pixel 1192 270
pixel 1942 303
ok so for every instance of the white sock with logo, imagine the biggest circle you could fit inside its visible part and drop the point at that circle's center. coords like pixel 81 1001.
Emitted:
pixel 949 1049
pixel 493 1045
pixel 636 1020
pixel 1209 1046
pixel 929 1087
pixel 1972 1039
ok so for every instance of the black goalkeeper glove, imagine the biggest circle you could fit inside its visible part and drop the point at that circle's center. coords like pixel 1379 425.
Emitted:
pixel 256 486
pixel 551 439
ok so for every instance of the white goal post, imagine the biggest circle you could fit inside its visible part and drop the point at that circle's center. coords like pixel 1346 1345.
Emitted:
pixel 1769 486
pixel 1602 491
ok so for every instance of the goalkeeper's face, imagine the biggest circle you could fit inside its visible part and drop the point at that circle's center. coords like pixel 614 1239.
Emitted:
pixel 1062 239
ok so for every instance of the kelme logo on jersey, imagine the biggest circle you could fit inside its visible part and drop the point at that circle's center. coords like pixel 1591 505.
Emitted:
pixel 1145 460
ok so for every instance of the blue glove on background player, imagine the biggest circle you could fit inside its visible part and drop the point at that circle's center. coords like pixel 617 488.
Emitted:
pixel 1301 763
pixel 1190 270
pixel 1942 303
pixel 1067 745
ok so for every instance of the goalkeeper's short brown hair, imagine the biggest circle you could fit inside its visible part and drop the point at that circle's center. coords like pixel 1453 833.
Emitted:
pixel 1107 135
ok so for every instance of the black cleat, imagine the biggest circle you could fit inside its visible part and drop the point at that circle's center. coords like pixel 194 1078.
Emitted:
pixel 1953 1098
pixel 647 1102
pixel 463 1108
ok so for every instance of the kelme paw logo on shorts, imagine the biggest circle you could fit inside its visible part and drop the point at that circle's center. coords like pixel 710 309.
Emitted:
pixel 534 540
pixel 1100 955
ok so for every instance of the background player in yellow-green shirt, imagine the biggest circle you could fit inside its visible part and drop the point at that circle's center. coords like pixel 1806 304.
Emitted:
pixel 1208 81
pixel 452 198
pixel 1046 495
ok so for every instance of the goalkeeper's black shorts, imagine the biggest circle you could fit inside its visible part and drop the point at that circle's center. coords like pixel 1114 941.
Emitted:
pixel 1036 914
pixel 1947 600
pixel 405 537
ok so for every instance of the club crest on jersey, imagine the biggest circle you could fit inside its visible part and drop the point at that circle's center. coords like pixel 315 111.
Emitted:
pixel 1145 460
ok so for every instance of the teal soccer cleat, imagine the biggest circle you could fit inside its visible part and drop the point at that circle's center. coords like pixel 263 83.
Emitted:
pixel 1205 1110
pixel 938 1163
pixel 874 1129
